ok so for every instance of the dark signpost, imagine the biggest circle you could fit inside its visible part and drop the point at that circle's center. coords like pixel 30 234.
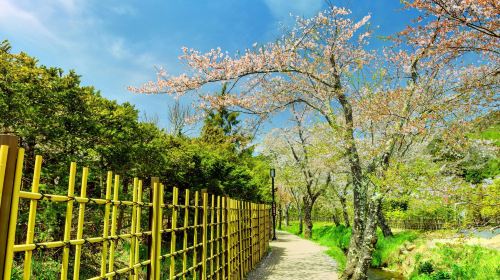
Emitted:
pixel 273 173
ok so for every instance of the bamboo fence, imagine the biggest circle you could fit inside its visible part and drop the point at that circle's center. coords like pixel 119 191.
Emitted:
pixel 190 236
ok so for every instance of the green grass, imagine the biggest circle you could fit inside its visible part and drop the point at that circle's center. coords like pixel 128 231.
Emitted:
pixel 457 262
pixel 386 246
pixel 491 133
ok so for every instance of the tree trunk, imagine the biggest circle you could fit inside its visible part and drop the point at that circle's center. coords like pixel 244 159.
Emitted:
pixel 358 253
pixel 345 214
pixel 301 223
pixel 308 218
pixel 369 242
pixel 287 215
pixel 335 218
pixel 280 216
pixel 382 223
pixel 360 256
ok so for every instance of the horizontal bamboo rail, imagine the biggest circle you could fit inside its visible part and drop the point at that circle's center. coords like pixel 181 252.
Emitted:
pixel 193 235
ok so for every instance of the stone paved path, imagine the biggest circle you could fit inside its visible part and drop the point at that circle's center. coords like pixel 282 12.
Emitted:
pixel 292 257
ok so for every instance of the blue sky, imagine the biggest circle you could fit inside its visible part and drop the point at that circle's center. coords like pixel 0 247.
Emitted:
pixel 114 44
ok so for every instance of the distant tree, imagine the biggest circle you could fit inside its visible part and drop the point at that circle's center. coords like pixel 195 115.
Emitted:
pixel 222 126
pixel 178 116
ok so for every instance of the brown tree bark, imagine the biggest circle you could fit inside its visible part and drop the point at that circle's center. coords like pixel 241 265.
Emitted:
pixel 301 222
pixel 280 217
pixel 384 226
pixel 335 217
pixel 308 218
pixel 287 214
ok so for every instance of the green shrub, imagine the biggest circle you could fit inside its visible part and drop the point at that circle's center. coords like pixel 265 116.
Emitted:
pixel 441 275
pixel 386 246
pixel 425 268
pixel 460 262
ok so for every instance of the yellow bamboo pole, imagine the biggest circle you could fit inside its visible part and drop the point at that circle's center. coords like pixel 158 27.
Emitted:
pixel 224 237
pixel 252 247
pixel 116 188
pixel 173 239
pixel 31 218
pixel 158 233
pixel 259 223
pixel 4 151
pixel 133 238
pixel 245 235
pixel 204 238
pixel 79 231
pixel 185 243
pixel 11 238
pixel 217 236
pixel 212 237
pixel 240 239
pixel 107 209
pixel 67 224
pixel 154 230
pixel 138 227
pixel 195 236
pixel 229 238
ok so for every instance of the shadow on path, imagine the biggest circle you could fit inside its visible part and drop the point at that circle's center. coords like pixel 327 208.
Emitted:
pixel 292 257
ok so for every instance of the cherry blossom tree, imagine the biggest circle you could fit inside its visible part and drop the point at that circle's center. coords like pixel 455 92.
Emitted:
pixel 295 148
pixel 379 103
pixel 459 27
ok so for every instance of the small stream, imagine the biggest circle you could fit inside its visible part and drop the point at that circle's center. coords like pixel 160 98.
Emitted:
pixel 379 274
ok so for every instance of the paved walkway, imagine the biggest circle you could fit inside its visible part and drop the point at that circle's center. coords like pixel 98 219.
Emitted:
pixel 292 257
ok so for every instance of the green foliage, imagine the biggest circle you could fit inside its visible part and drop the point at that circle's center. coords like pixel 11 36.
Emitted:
pixel 221 126
pixel 425 268
pixel 459 262
pixel 387 246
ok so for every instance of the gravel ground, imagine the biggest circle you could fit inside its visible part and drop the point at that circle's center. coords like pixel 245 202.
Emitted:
pixel 292 257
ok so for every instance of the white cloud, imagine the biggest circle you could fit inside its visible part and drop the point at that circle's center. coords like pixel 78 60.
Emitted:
pixel 14 19
pixel 282 8
pixel 65 33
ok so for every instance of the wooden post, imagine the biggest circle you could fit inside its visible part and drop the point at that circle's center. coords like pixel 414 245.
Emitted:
pixel 81 218
pixel 31 218
pixel 150 225
pixel 185 233
pixel 229 231
pixel 204 237
pixel 114 214
pixel 224 238
pixel 195 236
pixel 133 238
pixel 173 247
pixel 107 210
pixel 138 228
pixel 11 236
pixel 217 236
pixel 240 240
pixel 6 191
pixel 212 206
